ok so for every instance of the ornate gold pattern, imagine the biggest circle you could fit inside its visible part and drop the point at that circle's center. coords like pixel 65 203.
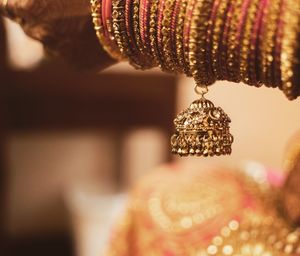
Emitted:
pixel 290 45
pixel 202 130
pixel 205 213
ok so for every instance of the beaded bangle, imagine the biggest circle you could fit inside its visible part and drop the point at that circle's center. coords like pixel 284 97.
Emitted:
pixel 166 41
pixel 233 41
pixel 254 41
pixel 224 44
pixel 108 26
pixel 118 23
pixel 96 9
pixel 290 46
pixel 278 46
pixel 180 37
pixel 120 35
pixel 268 42
pixel 173 34
pixel 198 43
pixel 161 7
pixel 211 45
pixel 261 59
pixel 254 64
pixel 145 6
pixel 147 60
pixel 138 60
pixel 246 42
pixel 186 34
pixel 217 35
pixel 143 20
pixel 153 33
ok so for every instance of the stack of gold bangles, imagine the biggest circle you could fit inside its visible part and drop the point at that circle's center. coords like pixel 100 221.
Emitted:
pixel 250 41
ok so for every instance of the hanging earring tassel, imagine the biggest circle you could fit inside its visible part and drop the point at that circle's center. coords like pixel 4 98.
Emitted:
pixel 202 130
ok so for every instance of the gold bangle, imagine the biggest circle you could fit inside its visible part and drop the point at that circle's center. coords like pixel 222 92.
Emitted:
pixel 246 43
pixel 268 43
pixel 233 42
pixel 153 32
pixel 147 58
pixel 217 35
pixel 179 38
pixel 290 46
pixel 169 63
pixel 121 37
pixel 96 10
pixel 186 34
pixel 198 42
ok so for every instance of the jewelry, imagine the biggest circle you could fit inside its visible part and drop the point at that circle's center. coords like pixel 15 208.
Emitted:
pixel 246 42
pixel 153 33
pixel 222 8
pixel 223 74
pixel 268 37
pixel 254 41
pixel 173 35
pixel 233 42
pixel 179 37
pixel 254 58
pixel 278 46
pixel 202 130
pixel 290 46
pixel 101 32
pixel 186 35
pixel 167 49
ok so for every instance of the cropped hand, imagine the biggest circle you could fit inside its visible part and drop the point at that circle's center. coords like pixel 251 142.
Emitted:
pixel 63 26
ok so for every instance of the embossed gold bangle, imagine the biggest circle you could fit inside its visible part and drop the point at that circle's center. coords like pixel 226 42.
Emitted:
pixel 173 35
pixel 278 45
pixel 211 32
pixel 268 42
pixel 198 43
pixel 96 9
pixel 153 32
pixel 120 35
pixel 290 46
pixel 147 59
pixel 160 33
pixel 246 42
pixel 118 22
pixel 224 43
pixel 254 56
pixel 180 37
pixel 233 42
pixel 139 59
pixel 217 34
pixel 186 34
pixel 145 10
pixel 166 42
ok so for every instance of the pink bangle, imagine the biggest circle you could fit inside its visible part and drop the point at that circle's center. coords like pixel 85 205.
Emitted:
pixel 144 20
pixel 107 22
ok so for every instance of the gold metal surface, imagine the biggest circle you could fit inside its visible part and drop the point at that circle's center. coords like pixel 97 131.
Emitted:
pixel 202 130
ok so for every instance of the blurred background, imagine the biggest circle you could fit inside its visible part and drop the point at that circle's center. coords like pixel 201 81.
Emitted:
pixel 74 142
